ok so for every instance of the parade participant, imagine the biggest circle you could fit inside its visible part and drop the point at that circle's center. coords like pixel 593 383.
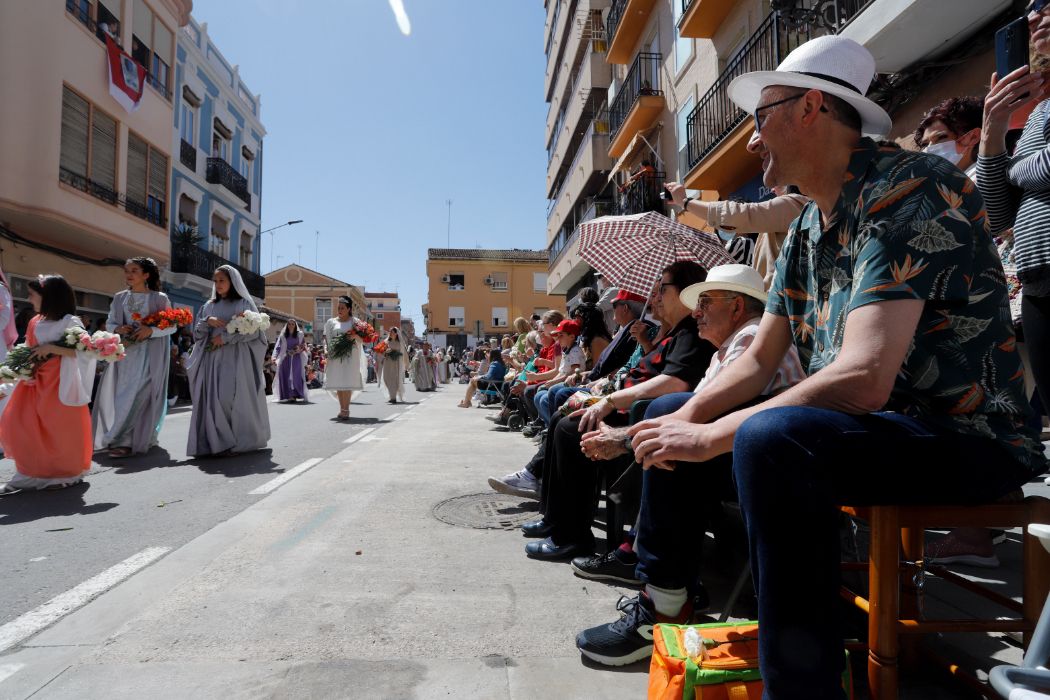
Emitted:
pixel 393 377
pixel 422 374
pixel 225 373
pixel 344 375
pixel 131 402
pixel 46 426
pixel 8 327
pixel 291 363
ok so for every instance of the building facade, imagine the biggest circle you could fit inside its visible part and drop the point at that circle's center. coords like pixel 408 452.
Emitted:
pixel 84 184
pixel 216 183
pixel 476 293
pixel 408 330
pixel 385 309
pixel 304 293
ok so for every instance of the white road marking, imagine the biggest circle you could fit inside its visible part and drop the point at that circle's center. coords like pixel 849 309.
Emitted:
pixel 30 623
pixel 354 438
pixel 409 408
pixel 38 559
pixel 392 417
pixel 287 476
pixel 8 670
pixel 373 438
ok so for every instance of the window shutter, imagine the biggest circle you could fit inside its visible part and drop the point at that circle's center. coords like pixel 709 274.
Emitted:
pixel 74 147
pixel 142 24
pixel 104 150
pixel 138 155
pixel 158 175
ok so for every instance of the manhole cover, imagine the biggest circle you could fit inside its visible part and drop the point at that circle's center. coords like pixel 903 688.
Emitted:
pixel 486 511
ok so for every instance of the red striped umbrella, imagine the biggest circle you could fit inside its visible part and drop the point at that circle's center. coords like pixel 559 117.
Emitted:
pixel 631 251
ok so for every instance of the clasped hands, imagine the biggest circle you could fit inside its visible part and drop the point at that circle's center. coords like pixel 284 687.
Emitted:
pixel 658 442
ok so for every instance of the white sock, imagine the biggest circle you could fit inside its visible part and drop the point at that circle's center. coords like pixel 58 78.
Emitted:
pixel 667 601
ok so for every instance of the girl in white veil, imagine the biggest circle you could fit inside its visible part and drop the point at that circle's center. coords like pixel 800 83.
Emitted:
pixel 225 373
pixel 288 353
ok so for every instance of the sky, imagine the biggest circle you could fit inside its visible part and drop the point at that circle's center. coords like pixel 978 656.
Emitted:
pixel 369 131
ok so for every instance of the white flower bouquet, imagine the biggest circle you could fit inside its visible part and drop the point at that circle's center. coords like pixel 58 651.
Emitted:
pixel 248 323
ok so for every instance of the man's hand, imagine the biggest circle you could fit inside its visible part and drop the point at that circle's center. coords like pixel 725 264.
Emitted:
pixel 571 380
pixel 660 443
pixel 591 416
pixel 604 443
pixel 677 191
pixel 598 386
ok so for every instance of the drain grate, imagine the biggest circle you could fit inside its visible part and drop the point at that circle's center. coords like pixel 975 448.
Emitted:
pixel 486 511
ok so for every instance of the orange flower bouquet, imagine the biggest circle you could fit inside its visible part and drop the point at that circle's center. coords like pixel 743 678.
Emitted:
pixel 162 320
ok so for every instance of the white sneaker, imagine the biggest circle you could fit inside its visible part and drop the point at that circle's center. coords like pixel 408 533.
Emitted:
pixel 521 484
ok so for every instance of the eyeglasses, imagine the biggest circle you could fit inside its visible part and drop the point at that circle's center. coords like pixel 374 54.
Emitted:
pixel 756 115
pixel 705 301
pixel 1036 6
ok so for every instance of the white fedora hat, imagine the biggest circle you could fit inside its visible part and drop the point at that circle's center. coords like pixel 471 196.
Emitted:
pixel 742 279
pixel 832 64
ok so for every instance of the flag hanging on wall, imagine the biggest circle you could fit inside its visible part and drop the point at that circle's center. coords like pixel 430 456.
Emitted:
pixel 127 79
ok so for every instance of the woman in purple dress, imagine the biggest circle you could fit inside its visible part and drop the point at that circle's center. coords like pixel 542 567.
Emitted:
pixel 291 363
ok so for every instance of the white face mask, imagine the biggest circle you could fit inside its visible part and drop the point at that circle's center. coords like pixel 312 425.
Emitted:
pixel 725 235
pixel 946 150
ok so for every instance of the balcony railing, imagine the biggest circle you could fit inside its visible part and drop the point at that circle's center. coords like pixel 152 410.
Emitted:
pixel 715 115
pixel 154 211
pixel 89 186
pixel 569 233
pixel 642 79
pixel 643 194
pixel 220 172
pixel 196 261
pixel 188 154
pixel 612 20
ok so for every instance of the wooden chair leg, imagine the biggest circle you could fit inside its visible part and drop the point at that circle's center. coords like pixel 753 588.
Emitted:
pixel 1036 565
pixel 913 543
pixel 883 602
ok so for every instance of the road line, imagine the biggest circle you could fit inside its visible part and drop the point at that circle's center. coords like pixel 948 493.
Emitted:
pixel 392 417
pixel 351 440
pixel 287 476
pixel 35 620
pixel 8 670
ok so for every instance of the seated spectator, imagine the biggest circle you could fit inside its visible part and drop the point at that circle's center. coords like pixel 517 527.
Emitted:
pixel 569 479
pixel 952 130
pixel 492 379
pixel 573 363
pixel 905 402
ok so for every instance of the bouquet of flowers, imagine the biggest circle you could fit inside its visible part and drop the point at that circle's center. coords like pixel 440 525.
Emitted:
pixel 380 347
pixel 103 345
pixel 342 345
pixel 162 320
pixel 248 323
pixel 22 364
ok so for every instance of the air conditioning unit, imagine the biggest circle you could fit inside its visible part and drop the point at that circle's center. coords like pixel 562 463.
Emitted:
pixel 488 280
pixel 446 279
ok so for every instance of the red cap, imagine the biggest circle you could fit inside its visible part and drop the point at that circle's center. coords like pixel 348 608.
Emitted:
pixel 624 295
pixel 568 326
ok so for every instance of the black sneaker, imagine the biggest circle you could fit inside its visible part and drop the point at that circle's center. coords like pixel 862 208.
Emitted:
pixel 630 638
pixel 532 429
pixel 606 567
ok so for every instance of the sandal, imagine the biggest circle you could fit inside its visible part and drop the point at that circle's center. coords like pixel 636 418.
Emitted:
pixel 8 490
pixel 343 415
pixel 119 452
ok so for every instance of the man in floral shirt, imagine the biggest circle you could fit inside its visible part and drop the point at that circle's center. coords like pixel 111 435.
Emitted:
pixel 891 290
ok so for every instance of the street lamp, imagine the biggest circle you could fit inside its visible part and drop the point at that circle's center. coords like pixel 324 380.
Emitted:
pixel 271 230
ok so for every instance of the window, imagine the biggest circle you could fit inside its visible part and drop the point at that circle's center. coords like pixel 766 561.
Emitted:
pixel 681 123
pixel 379 315
pixel 683 47
pixel 499 281
pixel 539 282
pixel 102 15
pixel 499 316
pixel 322 312
pixel 245 259
pixel 220 141
pixel 455 317
pixel 188 122
pixel 219 240
pixel 187 211
pixel 147 181
pixel 456 281
pixel 86 130
pixel 246 168
pixel 151 46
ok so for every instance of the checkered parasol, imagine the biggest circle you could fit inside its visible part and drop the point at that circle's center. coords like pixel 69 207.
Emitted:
pixel 630 251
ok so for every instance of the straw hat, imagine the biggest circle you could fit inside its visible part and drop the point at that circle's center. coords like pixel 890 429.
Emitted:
pixel 743 279
pixel 832 64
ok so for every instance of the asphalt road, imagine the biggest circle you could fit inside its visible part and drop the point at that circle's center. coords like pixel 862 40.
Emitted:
pixel 53 541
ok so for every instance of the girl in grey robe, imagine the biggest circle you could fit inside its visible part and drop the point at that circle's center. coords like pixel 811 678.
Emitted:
pixel 131 402
pixel 226 381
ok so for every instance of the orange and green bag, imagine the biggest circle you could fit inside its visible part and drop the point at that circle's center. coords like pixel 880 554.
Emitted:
pixel 717 661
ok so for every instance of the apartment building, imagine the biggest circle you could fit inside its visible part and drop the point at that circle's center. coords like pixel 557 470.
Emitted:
pixel 304 293
pixel 661 93
pixel 216 183
pixel 84 183
pixel 385 309
pixel 477 293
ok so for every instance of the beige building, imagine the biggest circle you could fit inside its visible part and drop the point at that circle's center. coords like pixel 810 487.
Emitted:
pixel 81 176
pixel 304 293
pixel 479 292
pixel 385 310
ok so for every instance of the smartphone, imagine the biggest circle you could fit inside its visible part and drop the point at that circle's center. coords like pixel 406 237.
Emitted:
pixel 1011 47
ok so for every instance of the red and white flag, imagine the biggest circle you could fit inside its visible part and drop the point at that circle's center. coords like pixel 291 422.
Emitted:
pixel 127 79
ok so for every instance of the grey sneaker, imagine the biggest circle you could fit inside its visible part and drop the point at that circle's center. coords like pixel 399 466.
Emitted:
pixel 521 484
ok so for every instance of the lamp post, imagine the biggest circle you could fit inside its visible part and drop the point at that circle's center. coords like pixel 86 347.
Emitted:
pixel 271 230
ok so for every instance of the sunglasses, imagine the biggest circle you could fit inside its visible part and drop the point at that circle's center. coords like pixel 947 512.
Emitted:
pixel 757 114
pixel 1036 6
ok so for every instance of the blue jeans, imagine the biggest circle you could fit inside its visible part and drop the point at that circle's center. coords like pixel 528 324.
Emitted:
pixel 793 467
pixel 558 395
pixel 543 403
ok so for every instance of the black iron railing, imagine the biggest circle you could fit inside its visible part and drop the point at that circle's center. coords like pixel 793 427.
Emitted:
pixel 152 211
pixel 188 154
pixel 643 194
pixel 196 261
pixel 715 115
pixel 642 79
pixel 82 13
pixel 89 186
pixel 685 6
pixel 612 20
pixel 220 172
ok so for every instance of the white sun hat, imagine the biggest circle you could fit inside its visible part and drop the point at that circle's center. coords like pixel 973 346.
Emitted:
pixel 832 64
pixel 742 279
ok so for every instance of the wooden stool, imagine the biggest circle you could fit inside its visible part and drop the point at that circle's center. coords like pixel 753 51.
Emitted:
pixel 891 615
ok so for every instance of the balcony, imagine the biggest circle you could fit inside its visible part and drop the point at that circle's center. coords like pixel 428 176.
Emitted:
pixel 702 18
pixel 638 103
pixel 566 268
pixel 643 195
pixel 568 235
pixel 586 175
pixel 188 155
pixel 624 26
pixel 91 187
pixel 219 172
pixel 154 211
pixel 196 261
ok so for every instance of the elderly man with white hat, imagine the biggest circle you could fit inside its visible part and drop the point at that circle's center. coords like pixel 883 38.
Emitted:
pixel 891 291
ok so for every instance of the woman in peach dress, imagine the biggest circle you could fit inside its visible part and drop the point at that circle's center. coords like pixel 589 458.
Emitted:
pixel 46 426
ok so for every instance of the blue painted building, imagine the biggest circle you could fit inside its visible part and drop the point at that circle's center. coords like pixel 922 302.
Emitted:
pixel 217 163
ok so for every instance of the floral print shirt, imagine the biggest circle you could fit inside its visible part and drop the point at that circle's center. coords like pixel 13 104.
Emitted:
pixel 912 226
